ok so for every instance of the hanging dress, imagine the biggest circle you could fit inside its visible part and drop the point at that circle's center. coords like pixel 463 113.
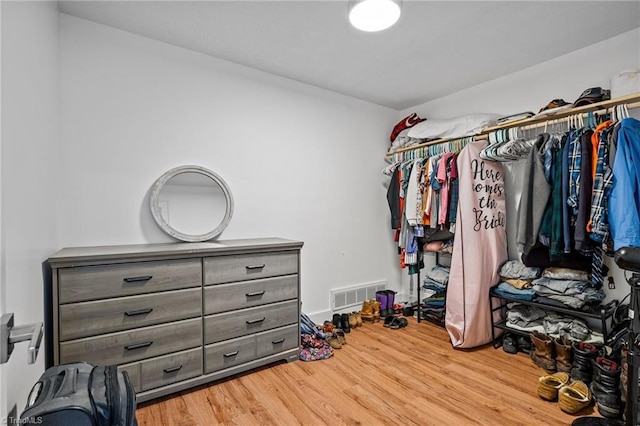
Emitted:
pixel 479 248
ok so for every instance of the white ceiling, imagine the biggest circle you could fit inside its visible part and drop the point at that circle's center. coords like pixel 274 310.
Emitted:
pixel 437 47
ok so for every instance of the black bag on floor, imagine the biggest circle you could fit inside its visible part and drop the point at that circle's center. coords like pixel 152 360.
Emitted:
pixel 80 394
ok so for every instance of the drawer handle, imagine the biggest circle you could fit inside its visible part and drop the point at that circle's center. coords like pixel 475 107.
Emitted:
pixel 138 279
pixel 276 342
pixel 257 293
pixel 138 312
pixel 172 369
pixel 138 345
pixel 255 321
pixel 230 354
pixel 252 267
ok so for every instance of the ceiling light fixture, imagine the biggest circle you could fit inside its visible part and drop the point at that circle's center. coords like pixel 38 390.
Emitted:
pixel 373 15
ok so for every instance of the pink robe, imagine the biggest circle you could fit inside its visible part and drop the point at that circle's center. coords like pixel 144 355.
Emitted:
pixel 479 248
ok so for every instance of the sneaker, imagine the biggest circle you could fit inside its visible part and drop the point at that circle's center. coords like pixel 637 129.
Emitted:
pixel 509 344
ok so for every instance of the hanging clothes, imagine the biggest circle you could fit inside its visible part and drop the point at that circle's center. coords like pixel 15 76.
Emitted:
pixel 393 199
pixel 479 249
pixel 585 190
pixel 624 204
pixel 535 195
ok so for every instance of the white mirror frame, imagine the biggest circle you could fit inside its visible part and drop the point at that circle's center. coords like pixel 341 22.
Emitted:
pixel 164 225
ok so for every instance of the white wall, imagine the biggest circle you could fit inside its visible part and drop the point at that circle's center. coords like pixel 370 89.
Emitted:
pixel 529 90
pixel 302 163
pixel 29 169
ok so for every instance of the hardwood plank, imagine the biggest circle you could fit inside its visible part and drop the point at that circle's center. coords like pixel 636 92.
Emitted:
pixel 410 376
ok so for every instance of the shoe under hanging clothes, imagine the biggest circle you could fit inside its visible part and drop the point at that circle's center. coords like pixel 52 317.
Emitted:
pixel 479 248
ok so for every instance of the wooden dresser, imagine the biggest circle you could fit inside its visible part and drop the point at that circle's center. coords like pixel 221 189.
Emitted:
pixel 174 315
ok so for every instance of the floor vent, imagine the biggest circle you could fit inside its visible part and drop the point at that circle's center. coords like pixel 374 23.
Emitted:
pixel 343 298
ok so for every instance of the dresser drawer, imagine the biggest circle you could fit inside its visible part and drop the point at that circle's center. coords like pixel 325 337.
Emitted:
pixel 245 294
pixel 229 353
pixel 278 340
pixel 126 279
pixel 247 321
pixel 133 370
pixel 124 313
pixel 243 267
pixel 134 345
pixel 172 368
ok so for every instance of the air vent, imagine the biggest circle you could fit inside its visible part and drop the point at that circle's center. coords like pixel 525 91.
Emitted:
pixel 343 298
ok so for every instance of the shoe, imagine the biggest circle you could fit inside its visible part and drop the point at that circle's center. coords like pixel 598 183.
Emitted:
pixel 340 336
pixel 358 319
pixel 381 298
pixel 366 313
pixel 543 352
pixel 387 320
pixel 395 323
pixel 346 327
pixel 397 308
pixel 509 344
pixel 353 322
pixel 332 339
pixel 524 344
pixel 606 387
pixel 337 321
pixel 563 350
pixel 581 367
pixel 375 305
pixel 391 295
pixel 548 386
pixel 327 327
pixel 574 397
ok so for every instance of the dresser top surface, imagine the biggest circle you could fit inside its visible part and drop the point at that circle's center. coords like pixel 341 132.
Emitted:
pixel 74 256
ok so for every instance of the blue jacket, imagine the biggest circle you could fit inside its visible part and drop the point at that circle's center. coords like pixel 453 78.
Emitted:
pixel 624 204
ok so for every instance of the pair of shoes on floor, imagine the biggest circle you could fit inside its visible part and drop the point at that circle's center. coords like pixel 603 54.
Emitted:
pixel 342 322
pixel 572 396
pixel 512 343
pixel 394 322
pixel 336 339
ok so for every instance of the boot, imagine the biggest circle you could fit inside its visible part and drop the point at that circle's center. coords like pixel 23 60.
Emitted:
pixel 581 368
pixel 367 311
pixel 563 354
pixel 605 387
pixel 337 321
pixel 381 297
pixel 353 322
pixel 344 320
pixel 358 319
pixel 542 353
pixel 375 305
pixel 391 296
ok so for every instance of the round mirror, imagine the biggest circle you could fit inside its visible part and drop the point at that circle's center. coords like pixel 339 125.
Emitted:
pixel 191 203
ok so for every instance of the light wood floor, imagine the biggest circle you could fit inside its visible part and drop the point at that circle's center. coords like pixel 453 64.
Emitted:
pixel 410 376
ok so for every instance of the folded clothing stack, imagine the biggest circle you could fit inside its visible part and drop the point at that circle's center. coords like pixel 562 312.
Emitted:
pixel 531 318
pixel 435 287
pixel 516 280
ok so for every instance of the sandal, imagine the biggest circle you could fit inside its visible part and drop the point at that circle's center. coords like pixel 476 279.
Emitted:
pixel 395 323
pixel 388 320
pixel 340 336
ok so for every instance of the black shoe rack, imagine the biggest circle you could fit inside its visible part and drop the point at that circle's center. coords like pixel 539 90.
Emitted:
pixel 498 303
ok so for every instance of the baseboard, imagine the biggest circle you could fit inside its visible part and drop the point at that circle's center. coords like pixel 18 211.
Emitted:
pixel 320 317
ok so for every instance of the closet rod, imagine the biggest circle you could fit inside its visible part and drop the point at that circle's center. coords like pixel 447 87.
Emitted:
pixel 584 114
pixel 632 101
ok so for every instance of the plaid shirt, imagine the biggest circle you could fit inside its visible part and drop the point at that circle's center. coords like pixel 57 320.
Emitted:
pixel 602 184
pixel 575 162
